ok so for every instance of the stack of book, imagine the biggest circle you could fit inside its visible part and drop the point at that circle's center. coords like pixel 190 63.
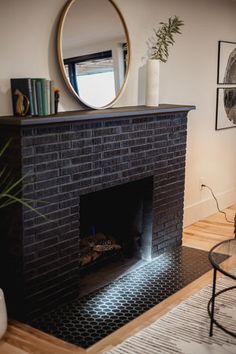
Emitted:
pixel 38 93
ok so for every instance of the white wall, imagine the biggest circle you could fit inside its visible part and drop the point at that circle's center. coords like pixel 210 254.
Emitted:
pixel 85 26
pixel 27 48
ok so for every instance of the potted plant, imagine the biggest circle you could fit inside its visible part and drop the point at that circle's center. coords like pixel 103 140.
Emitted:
pixel 10 193
pixel 159 52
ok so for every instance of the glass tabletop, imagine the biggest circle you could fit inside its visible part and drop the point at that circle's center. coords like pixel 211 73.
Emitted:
pixel 223 257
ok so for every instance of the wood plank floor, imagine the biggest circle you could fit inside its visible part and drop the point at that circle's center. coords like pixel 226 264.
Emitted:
pixel 204 234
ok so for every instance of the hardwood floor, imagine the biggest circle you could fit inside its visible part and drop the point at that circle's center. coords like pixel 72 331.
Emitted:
pixel 204 234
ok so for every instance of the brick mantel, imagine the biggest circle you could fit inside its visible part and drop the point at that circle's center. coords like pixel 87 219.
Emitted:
pixel 76 153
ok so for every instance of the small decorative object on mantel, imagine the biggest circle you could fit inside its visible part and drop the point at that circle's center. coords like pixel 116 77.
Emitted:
pixel 21 92
pixel 22 103
pixel 32 97
pixel 56 99
pixel 164 37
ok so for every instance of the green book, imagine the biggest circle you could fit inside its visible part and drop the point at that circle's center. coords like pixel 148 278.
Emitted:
pixel 39 97
pixel 48 96
pixel 52 98
pixel 43 96
pixel 34 96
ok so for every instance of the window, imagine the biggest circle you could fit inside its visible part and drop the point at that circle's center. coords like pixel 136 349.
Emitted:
pixel 92 77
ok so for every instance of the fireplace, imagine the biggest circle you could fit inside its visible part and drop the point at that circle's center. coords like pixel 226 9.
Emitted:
pixel 66 160
pixel 116 222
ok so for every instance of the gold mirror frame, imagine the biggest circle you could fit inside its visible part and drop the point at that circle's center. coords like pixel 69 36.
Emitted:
pixel 61 61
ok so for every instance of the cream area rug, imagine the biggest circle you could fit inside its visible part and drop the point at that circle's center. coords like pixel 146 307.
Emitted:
pixel 185 329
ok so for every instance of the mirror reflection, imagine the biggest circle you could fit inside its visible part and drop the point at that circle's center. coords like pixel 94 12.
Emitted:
pixel 93 44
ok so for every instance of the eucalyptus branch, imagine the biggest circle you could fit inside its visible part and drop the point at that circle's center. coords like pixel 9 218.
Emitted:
pixel 164 37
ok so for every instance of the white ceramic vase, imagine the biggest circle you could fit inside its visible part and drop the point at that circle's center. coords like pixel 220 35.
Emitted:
pixel 3 314
pixel 152 82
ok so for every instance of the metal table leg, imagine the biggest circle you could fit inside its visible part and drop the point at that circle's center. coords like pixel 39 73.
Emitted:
pixel 213 302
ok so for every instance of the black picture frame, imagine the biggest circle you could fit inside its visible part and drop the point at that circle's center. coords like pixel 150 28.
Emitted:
pixel 226 69
pixel 225 108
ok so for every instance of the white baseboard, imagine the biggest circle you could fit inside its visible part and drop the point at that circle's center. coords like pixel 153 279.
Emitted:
pixel 207 206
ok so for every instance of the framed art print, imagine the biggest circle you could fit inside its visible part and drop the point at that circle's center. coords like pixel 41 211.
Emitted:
pixel 226 73
pixel 225 108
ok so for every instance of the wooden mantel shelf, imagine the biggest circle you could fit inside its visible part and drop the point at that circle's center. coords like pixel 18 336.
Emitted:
pixel 90 115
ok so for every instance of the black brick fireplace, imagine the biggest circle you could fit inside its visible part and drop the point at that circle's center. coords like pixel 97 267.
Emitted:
pixel 68 156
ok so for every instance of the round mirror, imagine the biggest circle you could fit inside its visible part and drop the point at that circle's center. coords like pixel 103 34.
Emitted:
pixel 93 50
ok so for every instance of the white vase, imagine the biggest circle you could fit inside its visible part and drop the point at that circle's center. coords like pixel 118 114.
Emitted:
pixel 152 82
pixel 3 314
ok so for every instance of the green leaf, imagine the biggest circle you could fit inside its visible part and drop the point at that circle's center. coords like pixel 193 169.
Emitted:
pixel 5 147
pixel 165 38
pixel 11 189
pixel 13 199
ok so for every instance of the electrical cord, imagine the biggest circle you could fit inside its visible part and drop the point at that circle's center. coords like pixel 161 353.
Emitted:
pixel 217 204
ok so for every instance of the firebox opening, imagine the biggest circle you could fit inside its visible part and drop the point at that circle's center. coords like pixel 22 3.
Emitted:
pixel 116 224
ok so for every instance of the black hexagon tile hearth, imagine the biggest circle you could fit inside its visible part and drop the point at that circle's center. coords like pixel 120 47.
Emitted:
pixel 86 320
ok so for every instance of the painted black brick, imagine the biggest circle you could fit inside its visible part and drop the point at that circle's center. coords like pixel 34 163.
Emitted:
pixel 64 161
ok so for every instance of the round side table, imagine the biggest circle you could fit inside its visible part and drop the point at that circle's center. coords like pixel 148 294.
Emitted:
pixel 228 249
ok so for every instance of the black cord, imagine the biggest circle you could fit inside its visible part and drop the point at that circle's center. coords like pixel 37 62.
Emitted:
pixel 217 205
